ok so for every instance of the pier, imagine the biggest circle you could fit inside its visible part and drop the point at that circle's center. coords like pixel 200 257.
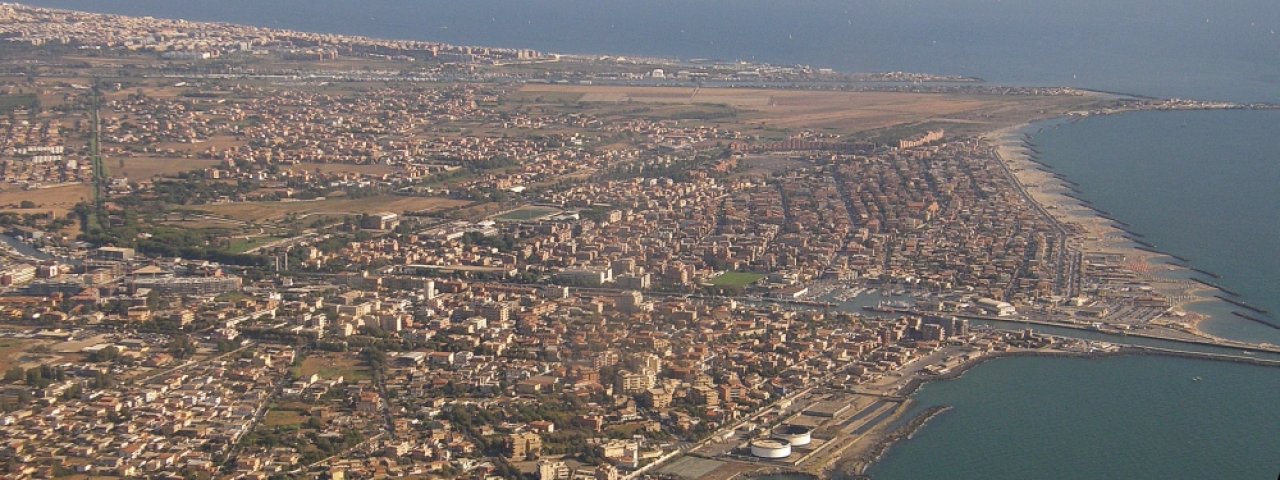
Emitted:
pixel 1139 241
pixel 1262 348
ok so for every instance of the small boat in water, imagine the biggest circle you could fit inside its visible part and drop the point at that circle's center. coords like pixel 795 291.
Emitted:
pixel 1196 379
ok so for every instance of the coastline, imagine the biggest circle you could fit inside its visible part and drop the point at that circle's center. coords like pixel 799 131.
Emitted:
pixel 855 465
pixel 1092 230
pixel 1087 229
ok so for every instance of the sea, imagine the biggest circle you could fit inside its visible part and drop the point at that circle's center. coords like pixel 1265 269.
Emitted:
pixel 1125 417
pixel 1201 185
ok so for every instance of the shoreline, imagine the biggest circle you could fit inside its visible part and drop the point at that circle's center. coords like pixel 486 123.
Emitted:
pixel 855 466
pixel 1089 229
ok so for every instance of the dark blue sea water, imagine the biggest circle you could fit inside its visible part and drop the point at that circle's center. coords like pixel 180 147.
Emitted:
pixel 1201 184
pixel 1129 417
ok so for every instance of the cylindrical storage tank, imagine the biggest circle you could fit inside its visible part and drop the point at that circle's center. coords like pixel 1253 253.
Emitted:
pixel 770 448
pixel 796 435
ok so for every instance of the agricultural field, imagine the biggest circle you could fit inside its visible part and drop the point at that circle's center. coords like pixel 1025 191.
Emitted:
pixel 145 168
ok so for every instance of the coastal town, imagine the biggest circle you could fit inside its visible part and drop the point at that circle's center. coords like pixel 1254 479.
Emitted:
pixel 241 252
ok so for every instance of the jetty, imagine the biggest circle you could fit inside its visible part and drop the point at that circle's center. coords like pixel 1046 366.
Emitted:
pixel 1214 285
pixel 1241 304
pixel 1255 319
pixel 1195 269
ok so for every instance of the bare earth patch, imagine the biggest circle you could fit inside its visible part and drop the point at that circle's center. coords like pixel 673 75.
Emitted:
pixel 843 111
pixel 273 211
pixel 144 168
pixel 59 200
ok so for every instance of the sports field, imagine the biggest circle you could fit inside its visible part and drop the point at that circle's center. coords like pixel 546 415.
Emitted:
pixel 736 279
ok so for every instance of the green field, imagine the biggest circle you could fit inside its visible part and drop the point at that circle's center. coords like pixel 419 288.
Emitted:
pixel 527 213
pixel 333 365
pixel 241 245
pixel 736 279
pixel 279 418
pixel 9 103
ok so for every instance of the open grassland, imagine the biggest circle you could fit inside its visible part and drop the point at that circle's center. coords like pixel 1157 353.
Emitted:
pixel 59 200
pixel 283 418
pixel 10 351
pixel 9 103
pixel 30 353
pixel 242 245
pixel 844 112
pixel 331 365
pixel 144 168
pixel 274 211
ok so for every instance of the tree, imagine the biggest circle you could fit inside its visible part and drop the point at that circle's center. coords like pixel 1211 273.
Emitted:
pixel 182 347
pixel 14 374
pixel 108 354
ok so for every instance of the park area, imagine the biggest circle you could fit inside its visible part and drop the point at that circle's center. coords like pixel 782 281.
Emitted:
pixel 736 279
pixel 331 365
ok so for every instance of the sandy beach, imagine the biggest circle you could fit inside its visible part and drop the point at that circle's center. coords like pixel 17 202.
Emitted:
pixel 1090 232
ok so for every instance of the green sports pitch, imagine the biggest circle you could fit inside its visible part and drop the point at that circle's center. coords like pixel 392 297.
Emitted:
pixel 736 279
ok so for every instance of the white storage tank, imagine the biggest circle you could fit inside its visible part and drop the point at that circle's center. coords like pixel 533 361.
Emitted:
pixel 796 435
pixel 770 448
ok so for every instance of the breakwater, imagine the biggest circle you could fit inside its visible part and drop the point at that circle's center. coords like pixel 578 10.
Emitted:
pixel 1241 304
pixel 1255 319
pixel 1214 285
pixel 905 432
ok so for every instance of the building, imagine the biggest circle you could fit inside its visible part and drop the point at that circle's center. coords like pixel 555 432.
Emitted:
pixel 635 382
pixel 658 398
pixel 607 472
pixel 19 274
pixel 585 277
pixel 553 470
pixel 632 302
pixel 927 138
pixel 187 285
pixel 523 445
pixel 996 307
pixel 380 221
pixel 117 254
pixel 931 331
pixel 495 312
